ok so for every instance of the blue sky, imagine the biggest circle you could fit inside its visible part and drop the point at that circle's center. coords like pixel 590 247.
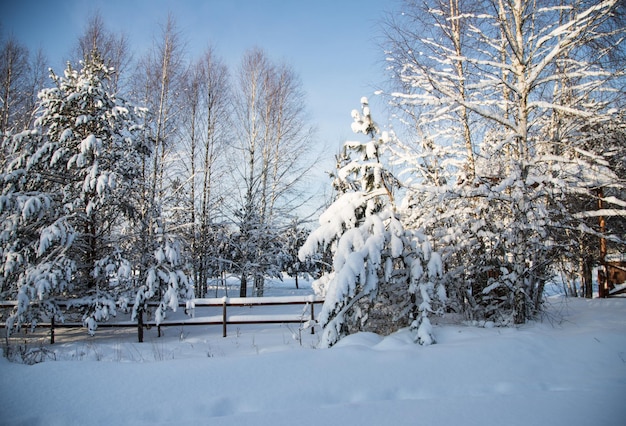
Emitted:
pixel 330 43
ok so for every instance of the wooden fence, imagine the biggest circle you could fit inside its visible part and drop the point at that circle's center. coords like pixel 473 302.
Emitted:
pixel 224 319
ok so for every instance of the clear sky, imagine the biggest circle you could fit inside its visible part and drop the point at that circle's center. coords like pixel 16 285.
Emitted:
pixel 331 44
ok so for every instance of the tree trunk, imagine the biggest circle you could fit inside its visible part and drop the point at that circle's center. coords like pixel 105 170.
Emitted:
pixel 140 325
pixel 585 276
pixel 243 289
pixel 519 310
pixel 539 295
pixel 603 290
pixel 259 284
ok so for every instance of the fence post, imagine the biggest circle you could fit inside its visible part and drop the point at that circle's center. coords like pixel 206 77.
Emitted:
pixel 312 318
pixel 224 317
pixel 52 330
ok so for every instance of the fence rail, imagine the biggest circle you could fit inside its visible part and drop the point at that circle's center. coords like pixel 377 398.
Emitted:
pixel 224 319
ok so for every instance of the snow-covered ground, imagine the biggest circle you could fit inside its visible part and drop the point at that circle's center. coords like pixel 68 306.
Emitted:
pixel 569 369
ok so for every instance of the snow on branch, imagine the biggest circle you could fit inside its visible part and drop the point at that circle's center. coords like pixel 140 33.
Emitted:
pixel 600 212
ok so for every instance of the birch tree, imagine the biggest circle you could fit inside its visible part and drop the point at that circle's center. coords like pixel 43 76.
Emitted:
pixel 271 134
pixel 21 78
pixel 158 85
pixel 14 67
pixel 207 103
pixel 521 59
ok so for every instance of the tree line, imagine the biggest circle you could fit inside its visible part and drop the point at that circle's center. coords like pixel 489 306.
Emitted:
pixel 501 169
pixel 130 180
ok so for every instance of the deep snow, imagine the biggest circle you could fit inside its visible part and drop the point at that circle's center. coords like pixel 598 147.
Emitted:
pixel 569 369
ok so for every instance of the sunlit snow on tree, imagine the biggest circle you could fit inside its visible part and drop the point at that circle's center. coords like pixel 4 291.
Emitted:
pixel 68 194
pixel 383 276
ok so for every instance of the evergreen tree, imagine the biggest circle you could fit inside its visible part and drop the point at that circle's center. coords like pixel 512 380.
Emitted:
pixel 66 197
pixel 293 238
pixel 165 278
pixel 378 278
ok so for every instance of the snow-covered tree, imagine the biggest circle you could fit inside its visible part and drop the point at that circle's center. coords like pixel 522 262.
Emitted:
pixel 113 48
pixel 523 87
pixel 205 123
pixel 165 279
pixel 378 279
pixel 292 239
pixel 66 194
pixel 156 84
pixel 272 136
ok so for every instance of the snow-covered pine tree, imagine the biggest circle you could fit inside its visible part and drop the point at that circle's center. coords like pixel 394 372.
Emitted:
pixel 378 274
pixel 164 278
pixel 255 251
pixel 66 194
pixel 292 239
